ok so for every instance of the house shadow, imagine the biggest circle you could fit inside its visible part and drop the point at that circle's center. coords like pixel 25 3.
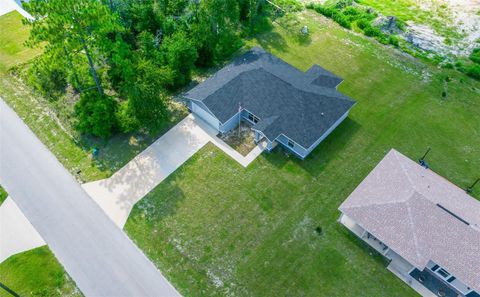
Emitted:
pixel 323 154
pixel 360 244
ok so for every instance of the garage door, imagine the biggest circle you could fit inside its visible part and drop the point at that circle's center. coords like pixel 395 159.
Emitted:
pixel 207 117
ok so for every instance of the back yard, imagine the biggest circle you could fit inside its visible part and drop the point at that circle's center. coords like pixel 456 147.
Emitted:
pixel 215 228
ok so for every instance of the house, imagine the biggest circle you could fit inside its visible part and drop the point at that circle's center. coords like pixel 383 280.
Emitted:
pixel 426 226
pixel 283 104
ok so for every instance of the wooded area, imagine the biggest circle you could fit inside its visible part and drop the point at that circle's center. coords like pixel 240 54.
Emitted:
pixel 124 57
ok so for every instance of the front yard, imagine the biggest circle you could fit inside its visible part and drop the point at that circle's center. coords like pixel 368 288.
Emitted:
pixel 215 228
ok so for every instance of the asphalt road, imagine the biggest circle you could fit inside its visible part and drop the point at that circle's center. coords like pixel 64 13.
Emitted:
pixel 97 254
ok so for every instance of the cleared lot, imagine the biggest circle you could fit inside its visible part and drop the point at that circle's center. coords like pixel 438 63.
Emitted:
pixel 218 229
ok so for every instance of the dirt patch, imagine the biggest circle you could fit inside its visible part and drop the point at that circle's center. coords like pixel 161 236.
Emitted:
pixel 242 138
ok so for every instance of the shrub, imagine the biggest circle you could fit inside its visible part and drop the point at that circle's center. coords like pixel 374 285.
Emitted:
pixel 448 65
pixel 475 55
pixel 393 40
pixel 47 78
pixel 96 114
pixel 473 71
pixel 372 31
pixel 363 23
pixel 127 122
pixel 342 20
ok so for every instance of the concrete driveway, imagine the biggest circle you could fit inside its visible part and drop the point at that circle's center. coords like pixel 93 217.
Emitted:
pixel 118 194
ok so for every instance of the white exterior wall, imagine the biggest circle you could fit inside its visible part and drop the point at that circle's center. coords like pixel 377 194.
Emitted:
pixel 205 115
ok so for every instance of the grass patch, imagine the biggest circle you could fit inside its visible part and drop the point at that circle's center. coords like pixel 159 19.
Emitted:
pixel 50 120
pixel 252 232
pixel 36 273
pixel 3 195
pixel 12 35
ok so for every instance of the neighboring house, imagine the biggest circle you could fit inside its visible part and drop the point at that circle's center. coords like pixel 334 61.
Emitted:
pixel 428 227
pixel 283 104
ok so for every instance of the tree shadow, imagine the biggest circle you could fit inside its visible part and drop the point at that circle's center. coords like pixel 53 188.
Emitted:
pixel 272 41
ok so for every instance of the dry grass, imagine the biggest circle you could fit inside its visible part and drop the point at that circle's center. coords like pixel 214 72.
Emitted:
pixel 242 138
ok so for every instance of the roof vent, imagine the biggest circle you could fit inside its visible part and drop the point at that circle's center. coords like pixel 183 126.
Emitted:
pixel 322 114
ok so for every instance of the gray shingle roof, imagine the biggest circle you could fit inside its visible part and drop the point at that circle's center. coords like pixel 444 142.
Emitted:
pixel 420 215
pixel 303 106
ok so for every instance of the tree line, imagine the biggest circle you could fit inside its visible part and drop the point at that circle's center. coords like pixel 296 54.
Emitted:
pixel 123 56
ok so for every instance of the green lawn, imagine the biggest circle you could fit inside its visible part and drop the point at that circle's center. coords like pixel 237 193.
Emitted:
pixel 215 228
pixel 3 195
pixel 36 273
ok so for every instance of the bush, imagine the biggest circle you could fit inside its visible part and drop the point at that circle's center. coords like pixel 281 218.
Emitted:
pixel 96 114
pixel 448 65
pixel 372 31
pixel 475 55
pixel 393 40
pixel 47 78
pixel 473 71
pixel 127 122
pixel 363 23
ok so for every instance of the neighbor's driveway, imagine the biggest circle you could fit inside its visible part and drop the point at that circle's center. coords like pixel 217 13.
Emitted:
pixel 16 233
pixel 7 6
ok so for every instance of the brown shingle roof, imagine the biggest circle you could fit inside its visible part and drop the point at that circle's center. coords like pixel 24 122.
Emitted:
pixel 420 215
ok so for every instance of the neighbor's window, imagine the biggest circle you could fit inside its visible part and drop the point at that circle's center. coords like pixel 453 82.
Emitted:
pixel 443 273
pixel 291 143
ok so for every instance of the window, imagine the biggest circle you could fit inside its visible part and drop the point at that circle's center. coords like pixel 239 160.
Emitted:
pixel 253 118
pixel 291 143
pixel 451 279
pixel 443 273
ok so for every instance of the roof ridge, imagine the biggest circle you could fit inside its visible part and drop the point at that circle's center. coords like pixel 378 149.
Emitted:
pixel 412 225
pixel 377 204
pixel 395 153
